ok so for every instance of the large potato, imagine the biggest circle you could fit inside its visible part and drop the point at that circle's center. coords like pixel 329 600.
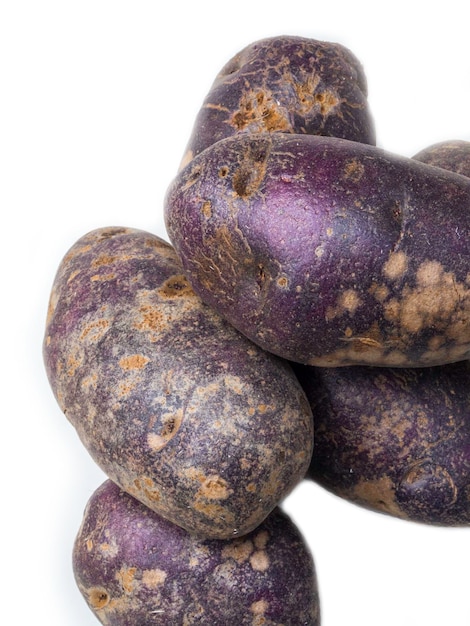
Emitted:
pixel 326 251
pixel 134 568
pixel 174 404
pixel 394 440
pixel 286 84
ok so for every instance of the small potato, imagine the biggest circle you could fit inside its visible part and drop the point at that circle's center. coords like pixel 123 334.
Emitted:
pixel 134 568
pixel 175 406
pixel 328 252
pixel 394 440
pixel 286 84
pixel 452 155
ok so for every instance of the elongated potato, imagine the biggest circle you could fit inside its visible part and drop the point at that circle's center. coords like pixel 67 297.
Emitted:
pixel 452 155
pixel 394 440
pixel 134 568
pixel 286 84
pixel 326 251
pixel 176 406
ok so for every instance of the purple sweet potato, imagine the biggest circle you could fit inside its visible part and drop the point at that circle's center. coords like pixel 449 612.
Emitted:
pixel 328 252
pixel 452 155
pixel 134 568
pixel 176 406
pixel 394 440
pixel 286 84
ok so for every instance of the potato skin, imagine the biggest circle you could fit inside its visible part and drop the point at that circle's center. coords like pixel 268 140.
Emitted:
pixel 394 440
pixel 452 155
pixel 286 84
pixel 328 252
pixel 135 568
pixel 174 405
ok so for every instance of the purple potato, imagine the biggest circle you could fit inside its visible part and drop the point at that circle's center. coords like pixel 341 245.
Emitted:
pixel 328 252
pixel 176 406
pixel 394 440
pixel 286 84
pixel 453 155
pixel 134 568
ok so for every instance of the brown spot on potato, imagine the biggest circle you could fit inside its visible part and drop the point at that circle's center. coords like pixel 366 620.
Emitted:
pixel 259 561
pixel 349 301
pixel 206 209
pixel 153 578
pixel 176 287
pixel 133 362
pixel 380 493
pixel 354 170
pixel 214 488
pixel 260 111
pixel 252 168
pixel 94 331
pixel 98 598
pixel 103 259
pixel 126 577
pixel 171 423
pixel 396 265
pixel 239 550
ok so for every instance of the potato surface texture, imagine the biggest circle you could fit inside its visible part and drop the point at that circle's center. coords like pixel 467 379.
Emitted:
pixel 394 440
pixel 175 405
pixel 452 155
pixel 328 252
pixel 134 568
pixel 286 84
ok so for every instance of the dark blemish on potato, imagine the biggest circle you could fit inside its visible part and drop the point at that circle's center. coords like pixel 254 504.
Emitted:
pixel 176 287
pixel 327 101
pixel 98 598
pixel 251 171
pixel 223 171
pixel 260 109
pixel 283 282
pixel 171 423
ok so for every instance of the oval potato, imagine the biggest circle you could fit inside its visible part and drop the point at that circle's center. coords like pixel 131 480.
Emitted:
pixel 175 405
pixel 328 252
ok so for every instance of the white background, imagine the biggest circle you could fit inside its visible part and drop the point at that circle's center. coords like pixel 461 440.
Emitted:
pixel 97 100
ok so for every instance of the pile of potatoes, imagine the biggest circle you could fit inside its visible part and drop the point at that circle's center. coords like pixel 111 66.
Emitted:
pixel 310 319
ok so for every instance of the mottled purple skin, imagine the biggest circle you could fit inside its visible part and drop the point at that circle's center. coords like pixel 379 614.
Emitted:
pixel 394 440
pixel 286 84
pixel 134 568
pixel 328 252
pixel 452 155
pixel 176 406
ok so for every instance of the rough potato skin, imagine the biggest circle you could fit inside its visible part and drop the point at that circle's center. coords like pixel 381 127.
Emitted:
pixel 452 155
pixel 174 405
pixel 286 84
pixel 394 440
pixel 328 252
pixel 134 568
